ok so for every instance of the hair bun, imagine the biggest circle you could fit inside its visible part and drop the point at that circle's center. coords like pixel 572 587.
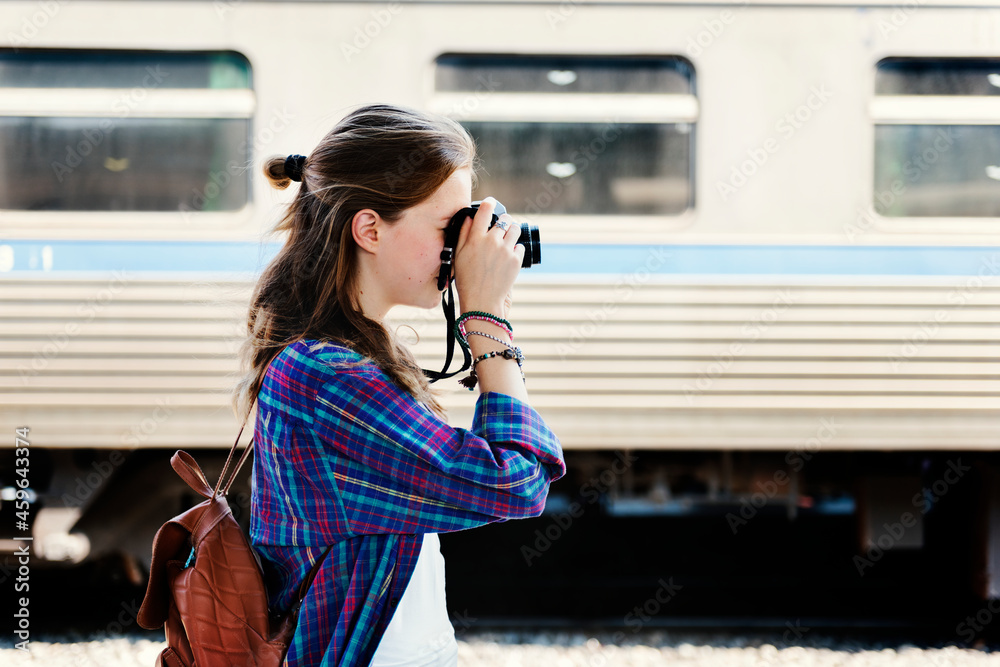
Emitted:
pixel 293 166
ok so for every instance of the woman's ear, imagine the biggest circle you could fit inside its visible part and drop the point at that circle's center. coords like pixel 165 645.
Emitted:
pixel 365 228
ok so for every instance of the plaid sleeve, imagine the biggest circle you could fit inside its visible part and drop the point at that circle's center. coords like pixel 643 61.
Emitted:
pixel 402 469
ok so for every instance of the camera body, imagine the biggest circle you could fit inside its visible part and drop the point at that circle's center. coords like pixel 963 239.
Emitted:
pixel 528 238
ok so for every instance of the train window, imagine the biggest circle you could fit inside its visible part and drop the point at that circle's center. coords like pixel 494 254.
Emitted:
pixel 59 68
pixel 937 140
pixel 938 76
pixel 642 169
pixel 124 130
pixel 143 164
pixel 565 74
pixel 622 146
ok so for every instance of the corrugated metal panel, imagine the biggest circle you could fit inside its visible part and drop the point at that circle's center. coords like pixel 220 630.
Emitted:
pixel 650 365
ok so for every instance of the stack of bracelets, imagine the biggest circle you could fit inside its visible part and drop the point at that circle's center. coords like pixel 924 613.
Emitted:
pixel 463 339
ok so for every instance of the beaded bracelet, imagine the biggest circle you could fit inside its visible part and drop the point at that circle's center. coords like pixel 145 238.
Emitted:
pixel 461 334
pixel 510 353
pixel 500 323
pixel 483 315
pixel 486 335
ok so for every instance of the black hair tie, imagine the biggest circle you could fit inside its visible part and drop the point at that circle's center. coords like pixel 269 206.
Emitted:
pixel 293 166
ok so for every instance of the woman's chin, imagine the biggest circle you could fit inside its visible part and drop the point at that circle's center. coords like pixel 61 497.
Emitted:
pixel 433 301
pixel 426 302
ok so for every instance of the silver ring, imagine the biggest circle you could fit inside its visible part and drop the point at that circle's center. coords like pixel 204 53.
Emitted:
pixel 502 224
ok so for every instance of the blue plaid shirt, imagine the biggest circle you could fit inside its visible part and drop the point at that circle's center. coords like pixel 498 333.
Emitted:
pixel 344 457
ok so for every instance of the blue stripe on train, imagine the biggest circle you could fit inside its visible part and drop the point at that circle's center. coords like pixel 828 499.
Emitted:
pixel 37 257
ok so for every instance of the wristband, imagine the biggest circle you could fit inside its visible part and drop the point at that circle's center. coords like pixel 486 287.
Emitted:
pixel 462 335
pixel 514 353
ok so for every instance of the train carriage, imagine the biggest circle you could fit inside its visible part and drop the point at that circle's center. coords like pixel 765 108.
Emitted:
pixel 770 232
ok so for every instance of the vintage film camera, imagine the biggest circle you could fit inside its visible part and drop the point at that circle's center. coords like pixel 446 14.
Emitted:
pixel 528 238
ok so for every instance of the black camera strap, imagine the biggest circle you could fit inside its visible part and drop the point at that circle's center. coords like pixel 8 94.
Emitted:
pixel 448 306
pixel 448 298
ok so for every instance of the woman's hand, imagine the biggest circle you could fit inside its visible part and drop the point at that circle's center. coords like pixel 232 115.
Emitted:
pixel 487 261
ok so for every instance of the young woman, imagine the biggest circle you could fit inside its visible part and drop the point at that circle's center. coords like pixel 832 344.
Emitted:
pixel 351 446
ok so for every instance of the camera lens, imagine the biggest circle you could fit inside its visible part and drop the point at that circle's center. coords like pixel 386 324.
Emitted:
pixel 532 245
pixel 528 238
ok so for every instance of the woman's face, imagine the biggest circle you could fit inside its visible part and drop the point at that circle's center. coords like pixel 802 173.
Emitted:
pixel 410 260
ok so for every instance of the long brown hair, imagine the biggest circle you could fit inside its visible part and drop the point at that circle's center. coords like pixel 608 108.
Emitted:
pixel 383 157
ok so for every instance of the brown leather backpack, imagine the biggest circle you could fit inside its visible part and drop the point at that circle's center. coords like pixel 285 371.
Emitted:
pixel 206 587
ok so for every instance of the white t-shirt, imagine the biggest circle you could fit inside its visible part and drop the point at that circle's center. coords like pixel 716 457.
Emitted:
pixel 419 633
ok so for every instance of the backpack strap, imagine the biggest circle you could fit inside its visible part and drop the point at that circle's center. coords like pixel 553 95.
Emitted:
pixel 189 470
pixel 224 488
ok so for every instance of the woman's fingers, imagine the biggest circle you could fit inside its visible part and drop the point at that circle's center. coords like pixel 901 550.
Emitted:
pixel 488 260
pixel 484 215
pixel 511 232
pixel 478 225
pixel 510 228
pixel 511 236
pixel 519 251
